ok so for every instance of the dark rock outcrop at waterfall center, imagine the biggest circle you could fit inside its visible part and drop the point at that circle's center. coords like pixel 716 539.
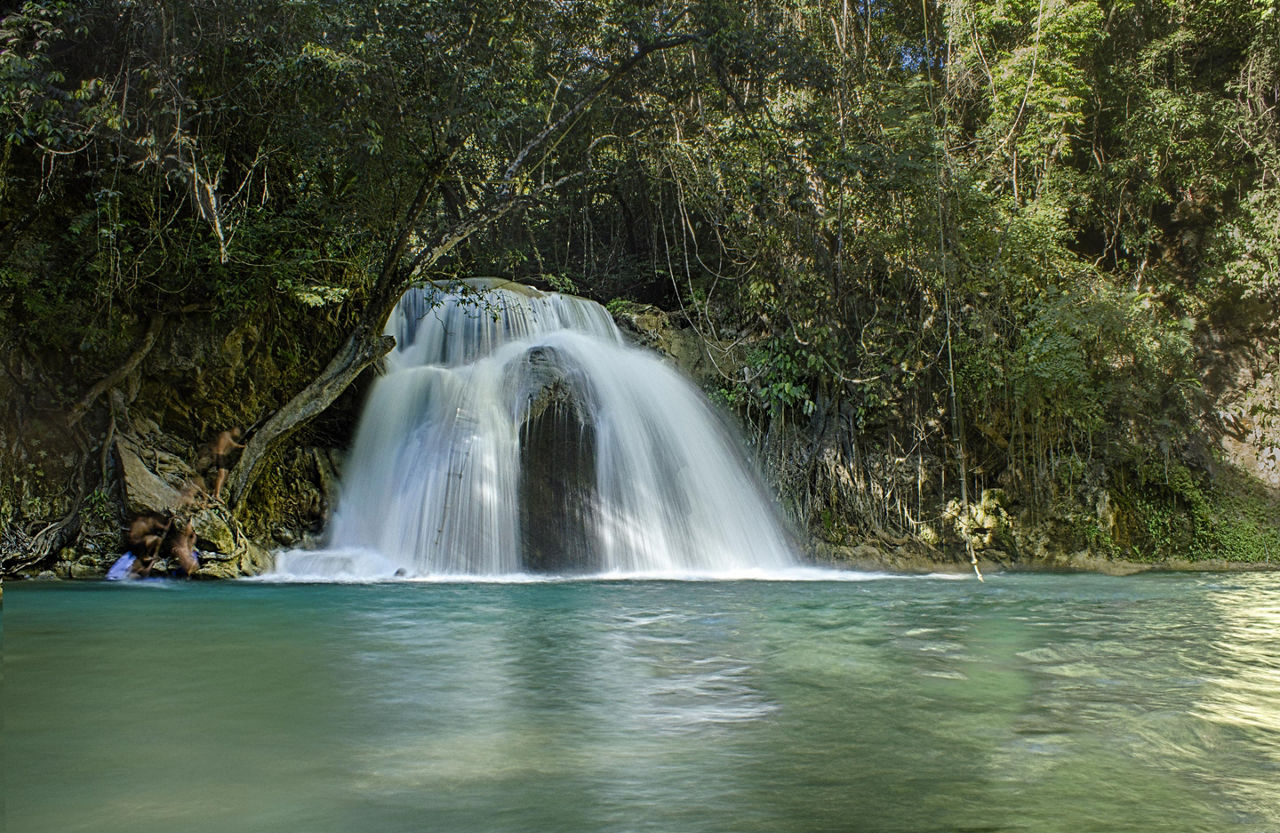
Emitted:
pixel 557 478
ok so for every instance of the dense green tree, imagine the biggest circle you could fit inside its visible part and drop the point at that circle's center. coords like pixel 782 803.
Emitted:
pixel 961 244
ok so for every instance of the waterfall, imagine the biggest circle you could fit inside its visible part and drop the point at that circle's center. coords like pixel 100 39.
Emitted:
pixel 514 431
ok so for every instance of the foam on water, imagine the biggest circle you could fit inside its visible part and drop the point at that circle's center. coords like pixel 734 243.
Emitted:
pixel 368 567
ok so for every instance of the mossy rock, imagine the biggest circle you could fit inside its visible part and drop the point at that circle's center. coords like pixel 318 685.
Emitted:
pixel 213 533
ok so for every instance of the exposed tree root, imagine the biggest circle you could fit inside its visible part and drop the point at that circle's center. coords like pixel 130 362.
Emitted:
pixel 107 383
pixel 22 552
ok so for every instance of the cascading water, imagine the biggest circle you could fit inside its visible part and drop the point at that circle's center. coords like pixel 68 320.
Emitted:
pixel 514 432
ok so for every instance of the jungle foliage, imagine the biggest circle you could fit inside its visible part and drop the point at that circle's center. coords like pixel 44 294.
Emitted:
pixel 987 238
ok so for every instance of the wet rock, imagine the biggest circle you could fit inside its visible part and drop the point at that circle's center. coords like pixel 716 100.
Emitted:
pixel 218 565
pixel 83 570
pixel 328 466
pixel 247 559
pixel 254 560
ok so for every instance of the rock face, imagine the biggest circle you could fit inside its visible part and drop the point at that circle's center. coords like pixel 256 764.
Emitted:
pixel 984 525
pixel 1249 417
pixel 558 470
pixel 705 360
pixel 144 491
pixel 212 532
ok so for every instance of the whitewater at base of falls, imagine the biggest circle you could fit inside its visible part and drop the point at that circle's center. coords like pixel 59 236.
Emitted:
pixel 515 433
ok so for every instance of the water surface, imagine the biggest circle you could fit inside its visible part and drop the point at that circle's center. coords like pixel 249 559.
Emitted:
pixel 1030 702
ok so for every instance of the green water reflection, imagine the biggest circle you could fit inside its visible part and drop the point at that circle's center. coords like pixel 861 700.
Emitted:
pixel 1037 703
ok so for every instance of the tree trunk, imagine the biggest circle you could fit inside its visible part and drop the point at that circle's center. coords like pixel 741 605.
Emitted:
pixel 362 348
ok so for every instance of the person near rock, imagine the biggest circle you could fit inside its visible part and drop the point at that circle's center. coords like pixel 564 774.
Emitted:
pixel 145 536
pixel 147 532
pixel 130 566
pixel 226 442
pixel 183 557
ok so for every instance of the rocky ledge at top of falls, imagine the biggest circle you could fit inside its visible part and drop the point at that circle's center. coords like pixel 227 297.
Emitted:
pixel 709 362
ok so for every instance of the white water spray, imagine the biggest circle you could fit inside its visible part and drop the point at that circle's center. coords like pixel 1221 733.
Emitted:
pixel 515 432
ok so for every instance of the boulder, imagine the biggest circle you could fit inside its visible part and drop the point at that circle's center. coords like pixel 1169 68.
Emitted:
pixel 84 570
pixel 557 469
pixel 254 560
pixel 212 532
pixel 705 360
pixel 218 565
pixel 144 491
